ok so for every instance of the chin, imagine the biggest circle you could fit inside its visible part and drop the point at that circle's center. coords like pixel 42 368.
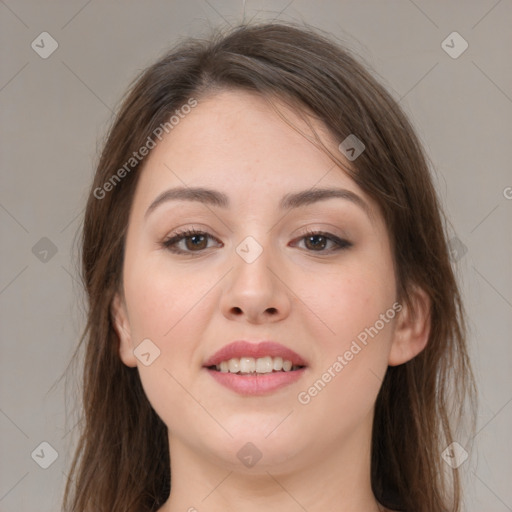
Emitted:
pixel 250 451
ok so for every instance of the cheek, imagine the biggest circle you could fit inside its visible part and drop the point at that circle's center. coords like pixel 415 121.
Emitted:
pixel 342 389
pixel 347 302
pixel 354 337
pixel 161 300
pixel 164 308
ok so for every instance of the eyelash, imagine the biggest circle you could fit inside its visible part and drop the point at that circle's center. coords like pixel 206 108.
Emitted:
pixel 187 233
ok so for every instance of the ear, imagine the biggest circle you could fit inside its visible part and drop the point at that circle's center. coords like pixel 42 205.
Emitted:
pixel 123 330
pixel 412 328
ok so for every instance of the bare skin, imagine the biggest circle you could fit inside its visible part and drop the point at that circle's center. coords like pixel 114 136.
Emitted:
pixel 300 292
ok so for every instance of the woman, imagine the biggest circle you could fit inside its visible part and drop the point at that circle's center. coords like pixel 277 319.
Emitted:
pixel 273 318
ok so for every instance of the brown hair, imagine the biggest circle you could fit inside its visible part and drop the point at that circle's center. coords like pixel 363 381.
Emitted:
pixel 121 462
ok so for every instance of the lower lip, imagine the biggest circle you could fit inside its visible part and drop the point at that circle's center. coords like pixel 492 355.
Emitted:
pixel 254 385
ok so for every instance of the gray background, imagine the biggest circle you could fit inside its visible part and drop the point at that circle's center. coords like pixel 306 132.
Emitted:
pixel 54 114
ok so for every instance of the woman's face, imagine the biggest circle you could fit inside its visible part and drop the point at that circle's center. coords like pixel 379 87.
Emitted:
pixel 255 274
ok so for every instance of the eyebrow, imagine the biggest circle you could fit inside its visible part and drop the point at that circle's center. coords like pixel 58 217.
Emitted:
pixel 288 202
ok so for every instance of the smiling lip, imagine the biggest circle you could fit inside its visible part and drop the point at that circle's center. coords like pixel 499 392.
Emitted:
pixel 257 384
pixel 245 349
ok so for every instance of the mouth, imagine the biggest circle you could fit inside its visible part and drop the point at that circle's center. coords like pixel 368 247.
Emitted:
pixel 255 369
pixel 250 366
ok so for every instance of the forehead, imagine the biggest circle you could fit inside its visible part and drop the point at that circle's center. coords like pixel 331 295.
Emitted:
pixel 237 126
pixel 235 141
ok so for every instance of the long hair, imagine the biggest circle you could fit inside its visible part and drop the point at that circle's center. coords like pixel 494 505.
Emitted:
pixel 121 463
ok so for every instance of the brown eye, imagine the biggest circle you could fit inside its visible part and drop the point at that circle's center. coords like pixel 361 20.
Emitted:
pixel 195 241
pixel 317 241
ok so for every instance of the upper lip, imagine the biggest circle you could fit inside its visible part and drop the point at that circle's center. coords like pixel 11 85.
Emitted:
pixel 246 349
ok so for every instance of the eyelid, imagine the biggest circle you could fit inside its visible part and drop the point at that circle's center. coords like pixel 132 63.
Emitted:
pixel 341 243
pixel 182 234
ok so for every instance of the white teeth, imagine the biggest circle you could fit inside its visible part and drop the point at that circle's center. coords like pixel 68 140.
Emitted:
pixel 265 364
pixel 278 364
pixel 247 365
pixel 234 365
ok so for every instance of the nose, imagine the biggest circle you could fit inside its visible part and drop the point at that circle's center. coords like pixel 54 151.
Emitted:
pixel 256 291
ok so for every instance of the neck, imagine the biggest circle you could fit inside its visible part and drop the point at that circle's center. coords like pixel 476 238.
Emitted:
pixel 337 480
